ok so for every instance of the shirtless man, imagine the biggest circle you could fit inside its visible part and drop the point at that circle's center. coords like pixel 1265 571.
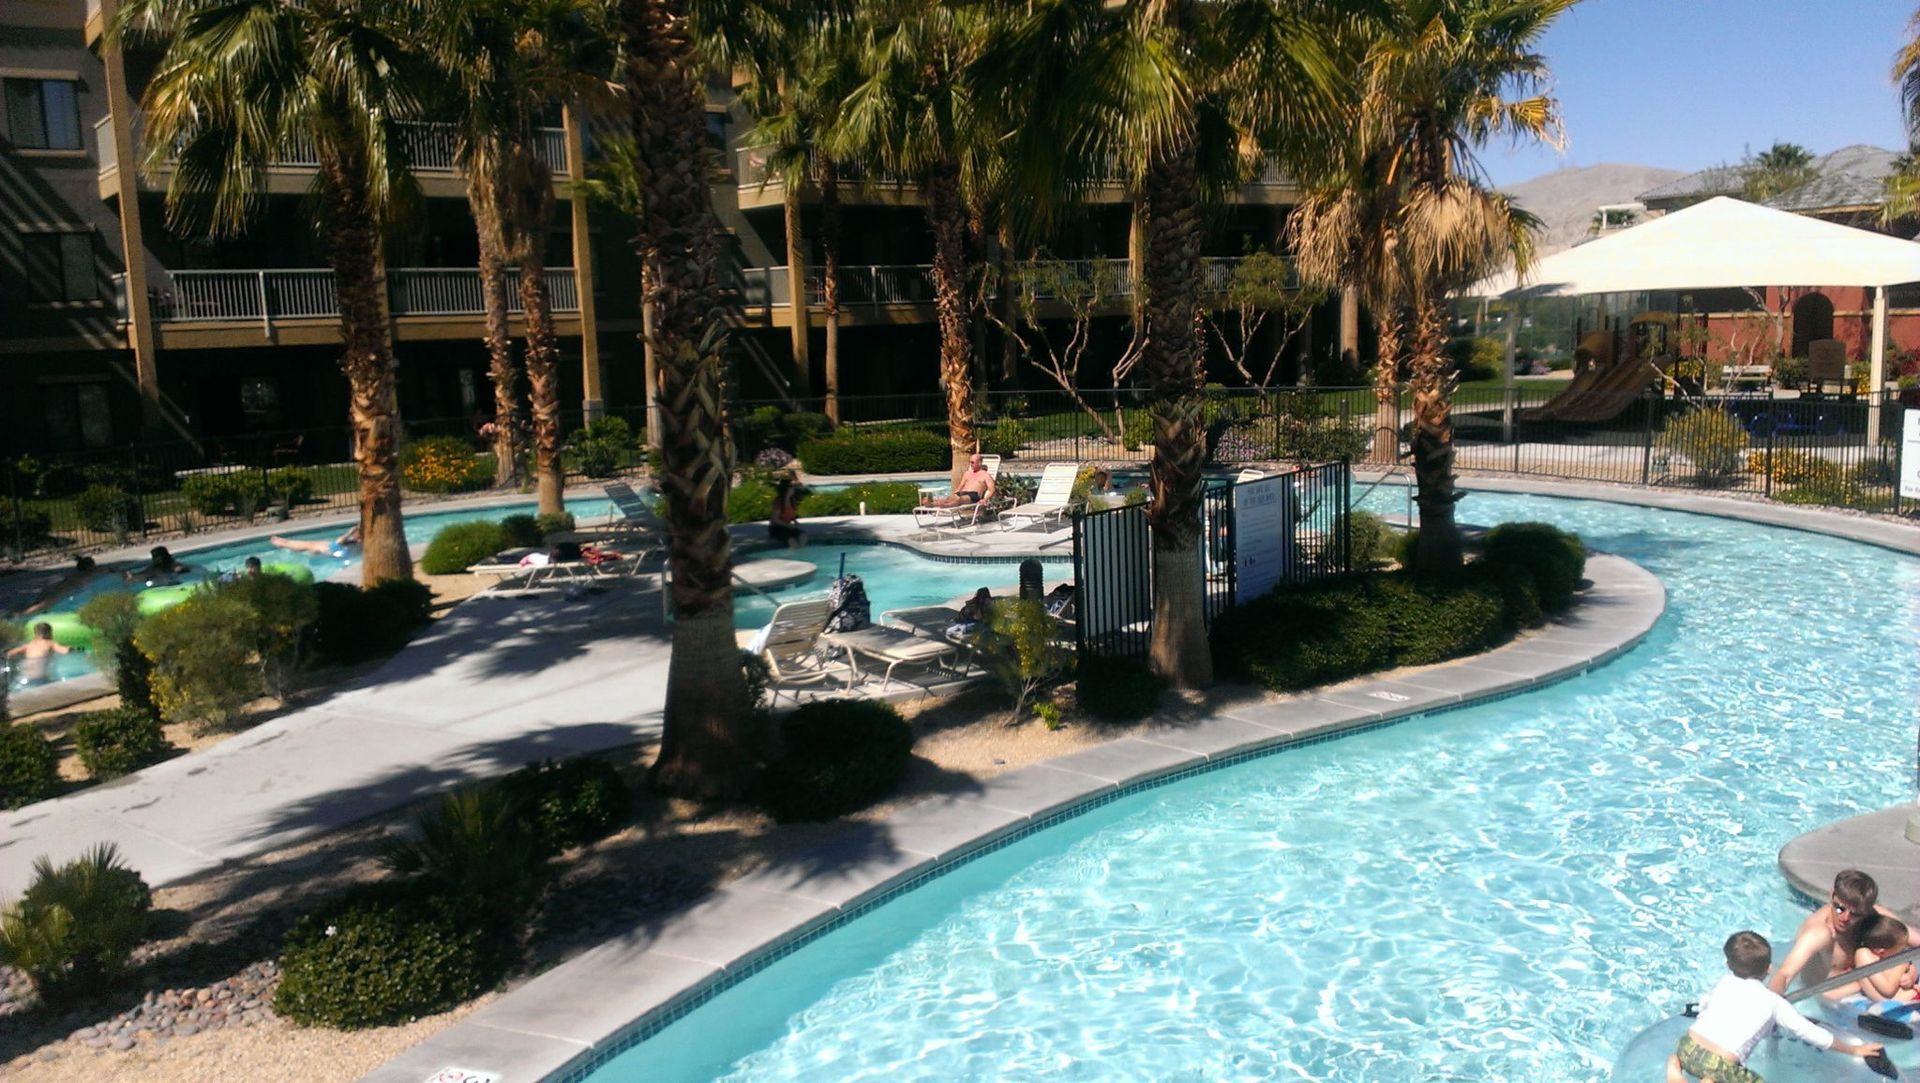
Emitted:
pixel 1826 942
pixel 336 548
pixel 975 485
pixel 36 654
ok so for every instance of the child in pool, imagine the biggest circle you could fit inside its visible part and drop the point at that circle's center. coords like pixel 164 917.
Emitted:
pixel 1881 936
pixel 36 654
pixel 1739 1012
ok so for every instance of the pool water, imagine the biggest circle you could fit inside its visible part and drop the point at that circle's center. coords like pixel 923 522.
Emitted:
pixel 1505 892
pixel 894 578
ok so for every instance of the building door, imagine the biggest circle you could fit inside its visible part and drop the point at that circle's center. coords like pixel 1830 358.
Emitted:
pixel 1812 321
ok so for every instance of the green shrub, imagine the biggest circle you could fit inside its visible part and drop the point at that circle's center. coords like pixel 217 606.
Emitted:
pixel 880 497
pixel 108 508
pixel 1406 548
pixel 29 767
pixel 352 625
pixel 522 530
pixel 1518 592
pixel 1835 493
pixel 552 523
pixel 1870 473
pixel 114 616
pixel 384 955
pixel 1304 430
pixel 751 501
pixel 477 844
pixel 206 494
pixel 771 427
pixel 1477 358
pixel 1555 559
pixel 238 492
pixel 838 756
pixel 226 645
pixel 603 447
pixel 282 612
pixel 1005 436
pixel 884 451
pixel 290 484
pixel 1117 690
pixel 119 741
pixel 443 464
pixel 1017 644
pixel 1713 440
pixel 569 803
pixel 22 527
pixel 1371 539
pixel 75 927
pixel 458 545
pixel 1435 621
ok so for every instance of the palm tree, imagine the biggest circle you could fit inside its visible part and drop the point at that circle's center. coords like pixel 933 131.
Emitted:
pixel 504 64
pixel 1903 183
pixel 916 113
pixel 1780 168
pixel 1438 76
pixel 1187 98
pixel 705 746
pixel 240 84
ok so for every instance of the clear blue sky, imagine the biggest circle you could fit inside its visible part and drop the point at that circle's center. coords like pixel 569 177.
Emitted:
pixel 1687 84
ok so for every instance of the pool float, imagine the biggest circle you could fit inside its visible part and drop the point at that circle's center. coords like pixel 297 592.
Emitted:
pixel 69 631
pixel 1780 1057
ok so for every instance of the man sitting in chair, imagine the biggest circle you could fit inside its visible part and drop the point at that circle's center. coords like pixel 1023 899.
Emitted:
pixel 975 485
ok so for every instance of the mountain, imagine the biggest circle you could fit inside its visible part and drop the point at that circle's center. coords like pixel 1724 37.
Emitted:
pixel 1566 198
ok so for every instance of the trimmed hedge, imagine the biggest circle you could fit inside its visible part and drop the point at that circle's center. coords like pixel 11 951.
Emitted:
pixel 570 803
pixel 29 768
pixel 1553 558
pixel 29 527
pixel 837 756
pixel 1117 690
pixel 522 530
pixel 119 741
pixel 458 545
pixel 876 452
pixel 881 498
pixel 108 508
pixel 384 955
pixel 443 464
pixel 354 624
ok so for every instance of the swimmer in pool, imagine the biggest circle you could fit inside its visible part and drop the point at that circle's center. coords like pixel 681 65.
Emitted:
pixel 161 569
pixel 36 654
pixel 338 547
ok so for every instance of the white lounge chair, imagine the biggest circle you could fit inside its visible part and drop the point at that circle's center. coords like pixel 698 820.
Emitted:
pixel 894 648
pixel 1051 501
pixel 513 577
pixel 634 522
pixel 929 517
pixel 797 653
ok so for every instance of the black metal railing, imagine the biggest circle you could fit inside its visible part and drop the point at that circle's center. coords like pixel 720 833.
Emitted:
pixel 1257 532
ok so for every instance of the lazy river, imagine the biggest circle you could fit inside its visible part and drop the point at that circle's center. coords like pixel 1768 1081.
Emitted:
pixel 1510 891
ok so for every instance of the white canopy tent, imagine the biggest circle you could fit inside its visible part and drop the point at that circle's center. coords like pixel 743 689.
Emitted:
pixel 1725 243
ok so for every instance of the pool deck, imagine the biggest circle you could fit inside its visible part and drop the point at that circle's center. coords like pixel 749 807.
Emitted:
pixel 575 1017
pixel 1874 843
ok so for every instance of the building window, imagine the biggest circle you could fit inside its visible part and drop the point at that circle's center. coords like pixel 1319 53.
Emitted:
pixel 60 267
pixel 78 415
pixel 43 114
pixel 260 403
pixel 717 133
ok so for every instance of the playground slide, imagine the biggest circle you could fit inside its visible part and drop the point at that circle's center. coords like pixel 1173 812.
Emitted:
pixel 1599 394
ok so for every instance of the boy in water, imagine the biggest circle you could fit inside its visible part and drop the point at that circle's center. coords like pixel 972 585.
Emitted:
pixel 1740 1011
pixel 36 654
pixel 1826 942
pixel 1881 936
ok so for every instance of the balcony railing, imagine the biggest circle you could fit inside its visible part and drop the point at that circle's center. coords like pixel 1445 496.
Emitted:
pixel 298 294
pixel 912 283
pixel 430 147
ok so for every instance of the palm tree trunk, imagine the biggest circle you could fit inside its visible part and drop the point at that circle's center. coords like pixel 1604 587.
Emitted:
pixel 947 213
pixel 1439 546
pixel 1170 212
pixel 830 286
pixel 483 199
pixel 360 283
pixel 543 381
pixel 706 744
pixel 1386 385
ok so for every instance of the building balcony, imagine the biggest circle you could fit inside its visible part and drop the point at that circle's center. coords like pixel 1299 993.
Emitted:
pixel 217 308
pixel 430 149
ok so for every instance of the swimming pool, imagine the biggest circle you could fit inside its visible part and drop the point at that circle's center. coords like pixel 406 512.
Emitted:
pixel 895 578
pixel 1505 892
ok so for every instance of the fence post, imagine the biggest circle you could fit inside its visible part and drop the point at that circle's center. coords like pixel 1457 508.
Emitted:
pixel 1512 397
pixel 1773 426
pixel 1646 451
pixel 1899 458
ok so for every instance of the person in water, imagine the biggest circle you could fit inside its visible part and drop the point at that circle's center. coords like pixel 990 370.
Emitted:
pixel 339 547
pixel 1827 941
pixel 36 654
pixel 1738 1013
pixel 783 521
pixel 161 569
pixel 1881 936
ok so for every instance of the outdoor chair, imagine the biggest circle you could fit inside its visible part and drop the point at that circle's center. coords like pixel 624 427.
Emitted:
pixel 894 648
pixel 969 516
pixel 634 522
pixel 514 578
pixel 1051 502
pixel 797 653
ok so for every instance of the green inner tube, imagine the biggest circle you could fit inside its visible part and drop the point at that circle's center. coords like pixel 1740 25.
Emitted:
pixel 68 631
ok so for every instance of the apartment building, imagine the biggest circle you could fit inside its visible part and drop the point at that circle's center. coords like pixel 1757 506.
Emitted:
pixel 118 328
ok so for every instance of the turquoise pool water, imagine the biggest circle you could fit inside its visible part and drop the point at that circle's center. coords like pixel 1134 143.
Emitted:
pixel 895 578
pixel 1507 892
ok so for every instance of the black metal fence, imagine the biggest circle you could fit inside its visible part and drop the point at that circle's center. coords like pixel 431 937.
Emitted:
pixel 1257 533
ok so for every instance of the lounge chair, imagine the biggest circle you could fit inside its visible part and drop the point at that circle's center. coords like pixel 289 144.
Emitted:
pixel 928 517
pixel 1051 501
pixel 894 648
pixel 797 652
pixel 634 522
pixel 513 577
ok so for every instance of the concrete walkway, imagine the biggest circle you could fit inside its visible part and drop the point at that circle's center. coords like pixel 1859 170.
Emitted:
pixel 492 685
pixel 584 1012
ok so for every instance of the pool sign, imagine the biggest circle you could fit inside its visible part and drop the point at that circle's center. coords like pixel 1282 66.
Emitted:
pixel 1910 457
pixel 462 1075
pixel 1262 536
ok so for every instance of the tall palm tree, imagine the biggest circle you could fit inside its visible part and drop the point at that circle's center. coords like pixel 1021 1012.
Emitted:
pixel 1442 78
pixel 1187 98
pixel 503 66
pixel 706 745
pixel 1903 183
pixel 917 113
pixel 240 84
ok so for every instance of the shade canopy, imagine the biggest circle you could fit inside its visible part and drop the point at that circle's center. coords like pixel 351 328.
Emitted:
pixel 1722 243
